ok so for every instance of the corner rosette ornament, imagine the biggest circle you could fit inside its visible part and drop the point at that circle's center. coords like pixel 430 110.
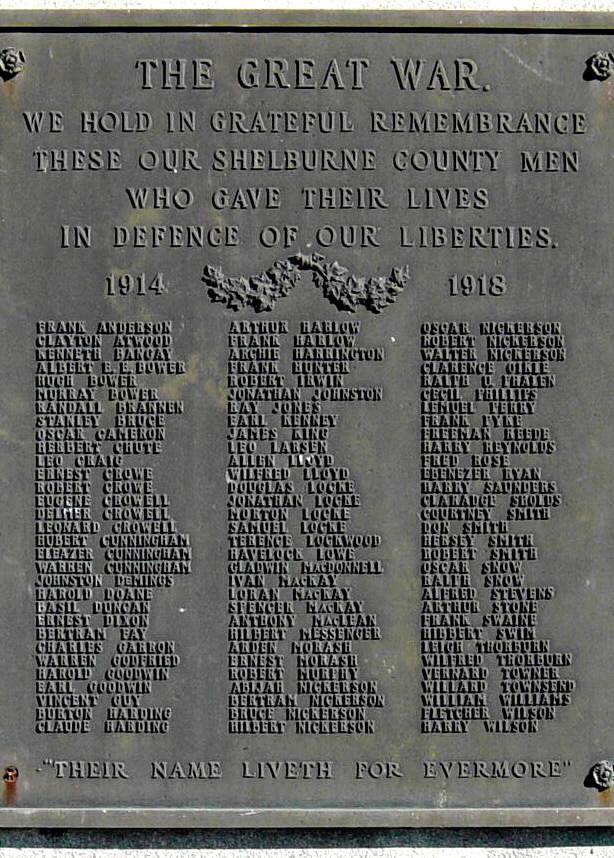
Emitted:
pixel 601 775
pixel 600 66
pixel 12 62
pixel 345 290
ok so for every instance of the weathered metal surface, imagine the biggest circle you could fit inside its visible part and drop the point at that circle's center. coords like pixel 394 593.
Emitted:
pixel 306 454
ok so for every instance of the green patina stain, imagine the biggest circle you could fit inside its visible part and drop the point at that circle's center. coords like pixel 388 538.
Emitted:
pixel 215 382
pixel 144 217
pixel 174 386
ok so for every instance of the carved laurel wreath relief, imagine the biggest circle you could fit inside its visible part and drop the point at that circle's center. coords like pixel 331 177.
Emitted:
pixel 345 290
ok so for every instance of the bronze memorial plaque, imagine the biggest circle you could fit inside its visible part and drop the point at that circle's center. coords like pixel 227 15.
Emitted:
pixel 307 469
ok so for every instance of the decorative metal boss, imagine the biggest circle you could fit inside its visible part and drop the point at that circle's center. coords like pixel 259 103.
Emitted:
pixel 601 775
pixel 600 65
pixel 12 61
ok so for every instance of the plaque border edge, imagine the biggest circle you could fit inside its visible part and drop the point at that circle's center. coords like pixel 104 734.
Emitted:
pixel 36 20
pixel 245 19
pixel 352 817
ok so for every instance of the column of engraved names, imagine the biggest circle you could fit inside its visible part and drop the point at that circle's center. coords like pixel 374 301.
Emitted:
pixel 480 483
pixel 260 545
pixel 94 600
pixel 66 413
pixel 334 696
pixel 292 619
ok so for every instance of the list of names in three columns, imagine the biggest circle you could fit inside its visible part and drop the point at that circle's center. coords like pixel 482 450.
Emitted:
pixel 298 618
pixel 486 488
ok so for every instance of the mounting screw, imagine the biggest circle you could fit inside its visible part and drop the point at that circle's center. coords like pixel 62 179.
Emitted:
pixel 11 773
